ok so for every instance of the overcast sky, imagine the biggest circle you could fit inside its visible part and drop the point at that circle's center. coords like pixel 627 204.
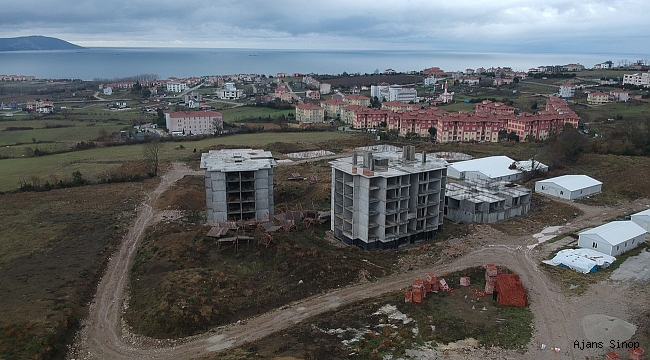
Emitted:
pixel 593 26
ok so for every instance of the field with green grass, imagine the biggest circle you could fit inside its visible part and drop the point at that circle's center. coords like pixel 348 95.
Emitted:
pixel 243 113
pixel 95 162
pixel 620 111
pixel 70 132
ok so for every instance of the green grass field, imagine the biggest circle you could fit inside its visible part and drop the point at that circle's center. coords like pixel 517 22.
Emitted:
pixel 240 114
pixel 94 162
pixel 78 132
pixel 631 110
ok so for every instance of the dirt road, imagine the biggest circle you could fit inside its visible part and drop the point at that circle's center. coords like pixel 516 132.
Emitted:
pixel 104 336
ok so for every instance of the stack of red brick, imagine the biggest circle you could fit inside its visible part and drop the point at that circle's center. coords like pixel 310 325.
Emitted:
pixel 612 356
pixel 491 273
pixel 421 287
pixel 510 290
pixel 636 354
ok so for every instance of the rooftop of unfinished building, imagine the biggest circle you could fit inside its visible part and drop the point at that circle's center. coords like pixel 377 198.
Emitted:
pixel 393 157
pixel 227 160
pixel 484 191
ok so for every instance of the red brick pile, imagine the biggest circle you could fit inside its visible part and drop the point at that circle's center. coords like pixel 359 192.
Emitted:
pixel 510 290
pixel 612 356
pixel 433 280
pixel 418 291
pixel 491 273
pixel 636 354
pixel 420 288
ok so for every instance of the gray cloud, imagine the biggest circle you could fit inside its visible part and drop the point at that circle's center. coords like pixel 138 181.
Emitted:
pixel 414 24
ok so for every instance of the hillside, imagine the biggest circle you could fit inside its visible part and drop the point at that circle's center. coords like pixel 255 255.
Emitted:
pixel 35 43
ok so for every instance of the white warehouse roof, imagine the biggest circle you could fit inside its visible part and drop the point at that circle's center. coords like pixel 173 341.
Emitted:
pixel 572 182
pixel 491 166
pixel 616 232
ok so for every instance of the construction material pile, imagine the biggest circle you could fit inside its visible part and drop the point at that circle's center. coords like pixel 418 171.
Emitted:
pixel 510 291
pixel 636 353
pixel 491 273
pixel 420 288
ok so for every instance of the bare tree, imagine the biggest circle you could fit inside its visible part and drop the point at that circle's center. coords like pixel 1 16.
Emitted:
pixel 152 155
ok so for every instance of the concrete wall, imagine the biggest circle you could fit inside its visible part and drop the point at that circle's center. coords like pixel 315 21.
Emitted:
pixel 215 193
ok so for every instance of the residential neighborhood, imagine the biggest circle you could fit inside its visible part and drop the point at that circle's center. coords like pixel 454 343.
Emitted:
pixel 287 179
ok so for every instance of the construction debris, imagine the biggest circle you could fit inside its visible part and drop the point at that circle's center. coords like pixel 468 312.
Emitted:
pixel 309 154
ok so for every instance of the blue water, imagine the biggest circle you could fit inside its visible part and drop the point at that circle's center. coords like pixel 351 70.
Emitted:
pixel 110 63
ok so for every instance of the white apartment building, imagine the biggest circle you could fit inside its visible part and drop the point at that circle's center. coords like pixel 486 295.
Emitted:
pixel 637 79
pixel 194 122
pixel 567 90
pixel 174 86
pixel 393 93
pixel 387 198
pixel 430 81
pixel 230 92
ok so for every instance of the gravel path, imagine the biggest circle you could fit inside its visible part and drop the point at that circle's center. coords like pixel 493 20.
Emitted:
pixel 557 318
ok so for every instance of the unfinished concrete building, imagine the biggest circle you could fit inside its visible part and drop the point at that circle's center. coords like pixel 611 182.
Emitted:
pixel 485 201
pixel 238 184
pixel 386 199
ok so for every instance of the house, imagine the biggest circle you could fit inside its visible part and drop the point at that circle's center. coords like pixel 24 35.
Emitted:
pixel 637 79
pixel 194 122
pixel 471 81
pixel 307 113
pixel 325 88
pixel 598 97
pixel 491 168
pixel 238 184
pixel 355 99
pixel 573 67
pixel 502 81
pixel 613 238
pixel 570 187
pixel 620 95
pixel 385 92
pixel 333 108
pixel 312 94
pixel 230 92
pixel 430 81
pixel 642 219
pixel 174 86
pixel 567 90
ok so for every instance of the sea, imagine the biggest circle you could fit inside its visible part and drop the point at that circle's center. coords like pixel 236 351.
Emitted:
pixel 114 63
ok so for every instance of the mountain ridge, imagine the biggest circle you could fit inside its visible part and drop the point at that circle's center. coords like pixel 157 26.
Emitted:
pixel 35 42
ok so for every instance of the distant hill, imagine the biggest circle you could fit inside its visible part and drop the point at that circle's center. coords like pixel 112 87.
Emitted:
pixel 35 43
